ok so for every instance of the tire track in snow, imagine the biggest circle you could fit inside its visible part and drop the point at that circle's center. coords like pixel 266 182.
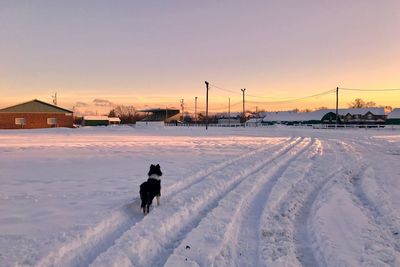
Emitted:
pixel 187 182
pixel 303 241
pixel 151 241
pixel 371 197
pixel 383 244
pixel 364 233
pixel 379 211
pixel 217 229
pixel 82 250
pixel 250 222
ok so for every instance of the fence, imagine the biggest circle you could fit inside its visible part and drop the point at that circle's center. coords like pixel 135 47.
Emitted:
pixel 310 126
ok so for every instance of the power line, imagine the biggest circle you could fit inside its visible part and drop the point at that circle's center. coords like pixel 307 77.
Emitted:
pixel 256 96
pixel 368 90
pixel 224 89
pixel 296 99
pixel 286 99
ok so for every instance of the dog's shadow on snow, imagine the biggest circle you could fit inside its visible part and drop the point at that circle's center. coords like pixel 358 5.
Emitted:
pixel 133 207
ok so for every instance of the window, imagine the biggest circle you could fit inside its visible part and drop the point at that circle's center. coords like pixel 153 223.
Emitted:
pixel 20 121
pixel 52 121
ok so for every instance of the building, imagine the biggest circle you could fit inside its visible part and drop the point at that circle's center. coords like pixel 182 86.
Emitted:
pixel 328 116
pixel 158 114
pixel 99 120
pixel 35 114
pixel 394 117
pixel 114 120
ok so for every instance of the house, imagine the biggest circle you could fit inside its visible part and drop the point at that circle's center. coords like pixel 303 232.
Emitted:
pixel 254 122
pixel 35 114
pixel 328 116
pixel 394 117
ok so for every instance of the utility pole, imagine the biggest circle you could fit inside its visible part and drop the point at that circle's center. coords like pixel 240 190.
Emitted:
pixel 206 105
pixel 256 116
pixel 244 114
pixel 337 106
pixel 166 114
pixel 183 109
pixel 195 109
pixel 55 99
pixel 229 112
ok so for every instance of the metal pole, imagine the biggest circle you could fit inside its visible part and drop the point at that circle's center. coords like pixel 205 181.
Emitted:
pixel 256 116
pixel 229 112
pixel 244 114
pixel 183 109
pixel 195 109
pixel 206 105
pixel 337 106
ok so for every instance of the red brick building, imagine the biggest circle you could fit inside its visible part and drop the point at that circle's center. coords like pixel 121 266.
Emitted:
pixel 35 114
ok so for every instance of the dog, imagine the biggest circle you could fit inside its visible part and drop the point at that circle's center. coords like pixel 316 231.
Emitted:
pixel 151 188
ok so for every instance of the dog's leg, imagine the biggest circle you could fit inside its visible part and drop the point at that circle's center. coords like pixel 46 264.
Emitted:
pixel 158 200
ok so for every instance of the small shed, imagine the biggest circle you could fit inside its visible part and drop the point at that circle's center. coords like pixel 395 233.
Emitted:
pixel 95 121
pixel 114 120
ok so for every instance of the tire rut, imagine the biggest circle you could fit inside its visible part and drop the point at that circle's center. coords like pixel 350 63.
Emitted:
pixel 194 203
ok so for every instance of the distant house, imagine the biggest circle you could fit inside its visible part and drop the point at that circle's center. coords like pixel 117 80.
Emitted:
pixel 328 116
pixel 254 122
pixel 394 117
pixel 114 120
pixel 99 120
pixel 35 114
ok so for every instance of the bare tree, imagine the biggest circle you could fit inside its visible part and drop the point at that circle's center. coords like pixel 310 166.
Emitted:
pixel 127 114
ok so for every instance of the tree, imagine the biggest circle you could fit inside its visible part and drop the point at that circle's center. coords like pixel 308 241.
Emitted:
pixel 359 103
pixel 370 104
pixel 127 114
pixel 112 113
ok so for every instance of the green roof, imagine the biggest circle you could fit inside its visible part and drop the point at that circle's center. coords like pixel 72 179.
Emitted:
pixel 35 106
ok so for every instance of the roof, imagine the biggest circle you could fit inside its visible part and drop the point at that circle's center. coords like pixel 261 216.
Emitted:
pixel 95 118
pixel 114 119
pixel 395 114
pixel 254 120
pixel 35 106
pixel 318 114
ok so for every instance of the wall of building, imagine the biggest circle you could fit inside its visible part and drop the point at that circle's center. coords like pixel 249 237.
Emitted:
pixel 35 120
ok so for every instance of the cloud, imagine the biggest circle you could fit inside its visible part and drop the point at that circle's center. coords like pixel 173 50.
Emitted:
pixel 81 104
pixel 103 103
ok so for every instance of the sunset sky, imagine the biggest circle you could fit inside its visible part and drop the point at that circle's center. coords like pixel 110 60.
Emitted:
pixel 155 53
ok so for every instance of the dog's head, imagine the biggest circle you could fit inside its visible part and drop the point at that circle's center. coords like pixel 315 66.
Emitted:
pixel 155 169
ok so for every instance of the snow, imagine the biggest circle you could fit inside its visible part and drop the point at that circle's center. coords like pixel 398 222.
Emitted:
pixel 258 196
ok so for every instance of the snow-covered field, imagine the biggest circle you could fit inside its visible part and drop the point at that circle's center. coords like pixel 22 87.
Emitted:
pixel 230 197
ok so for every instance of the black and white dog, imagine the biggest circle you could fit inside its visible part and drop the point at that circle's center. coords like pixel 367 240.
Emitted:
pixel 151 188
